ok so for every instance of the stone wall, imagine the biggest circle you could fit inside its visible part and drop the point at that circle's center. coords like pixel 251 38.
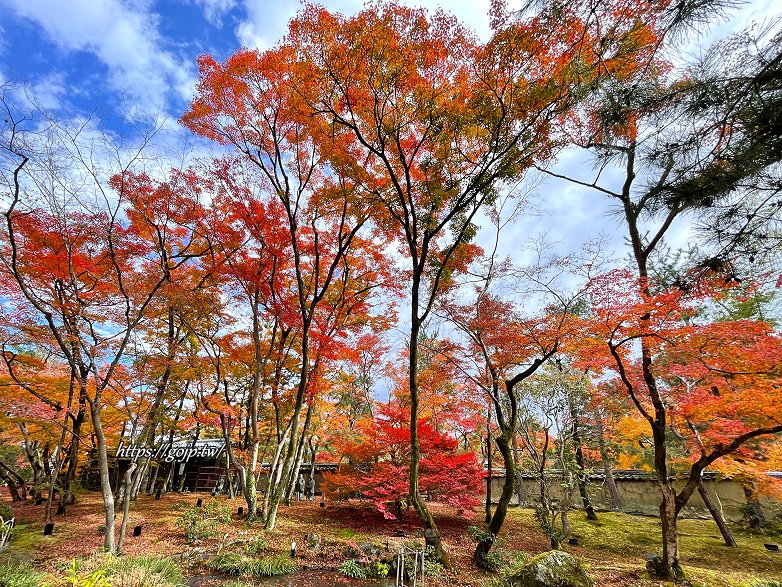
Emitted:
pixel 642 496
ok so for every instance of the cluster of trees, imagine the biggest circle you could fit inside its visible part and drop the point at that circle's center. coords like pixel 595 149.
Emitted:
pixel 251 296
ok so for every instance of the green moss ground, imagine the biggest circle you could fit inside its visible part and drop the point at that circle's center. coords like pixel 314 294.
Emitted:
pixel 619 541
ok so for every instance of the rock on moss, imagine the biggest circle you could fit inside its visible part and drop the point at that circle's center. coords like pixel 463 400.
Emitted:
pixel 552 569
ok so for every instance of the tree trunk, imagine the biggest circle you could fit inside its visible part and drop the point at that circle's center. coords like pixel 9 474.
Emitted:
pixel 521 497
pixel 34 458
pixel 431 533
pixel 500 512
pixel 294 476
pixel 276 492
pixel 275 472
pixel 251 484
pixel 489 452
pixel 53 484
pixel 105 478
pixel 582 475
pixel 12 487
pixel 671 568
pixel 153 480
pixel 7 472
pixel 716 515
pixel 67 497
pixel 608 469
pixel 125 508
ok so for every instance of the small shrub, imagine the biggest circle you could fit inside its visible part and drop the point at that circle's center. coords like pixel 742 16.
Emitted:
pixel 133 571
pixel 75 577
pixel 20 576
pixel 6 513
pixel 432 566
pixel 229 563
pixel 353 569
pixel 764 583
pixel 491 561
pixel 236 563
pixel 271 566
pixel 256 545
pixel 200 523
pixel 480 534
pixel 380 569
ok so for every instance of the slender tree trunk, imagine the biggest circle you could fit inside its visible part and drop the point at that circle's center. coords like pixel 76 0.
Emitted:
pixel 34 458
pixel 277 491
pixel 521 497
pixel 125 508
pixel 251 483
pixel 67 496
pixel 313 453
pixel 45 456
pixel 153 480
pixel 582 474
pixel 139 479
pixel 608 469
pixel 294 476
pixel 55 475
pixel 671 567
pixel 275 471
pixel 105 478
pixel 432 535
pixel 489 452
pixel 716 515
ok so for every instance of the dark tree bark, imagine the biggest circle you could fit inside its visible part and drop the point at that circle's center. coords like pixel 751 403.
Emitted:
pixel 10 482
pixel 579 455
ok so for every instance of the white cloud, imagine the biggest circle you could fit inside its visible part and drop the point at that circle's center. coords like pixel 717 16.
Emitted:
pixel 215 10
pixel 2 41
pixel 48 90
pixel 264 22
pixel 125 38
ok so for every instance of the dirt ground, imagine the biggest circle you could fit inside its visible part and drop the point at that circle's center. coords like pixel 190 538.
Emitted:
pixel 612 548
